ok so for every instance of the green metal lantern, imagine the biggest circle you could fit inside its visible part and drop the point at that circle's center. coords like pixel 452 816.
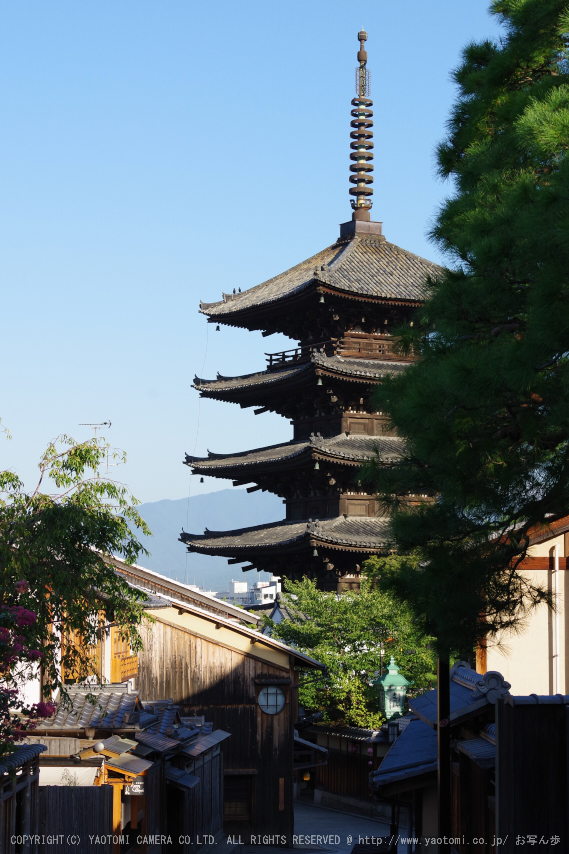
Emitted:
pixel 392 691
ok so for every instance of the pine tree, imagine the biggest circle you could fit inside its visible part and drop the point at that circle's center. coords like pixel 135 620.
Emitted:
pixel 485 411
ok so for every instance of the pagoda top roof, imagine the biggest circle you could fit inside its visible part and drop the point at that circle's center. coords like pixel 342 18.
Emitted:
pixel 351 449
pixel 366 265
pixel 361 370
pixel 349 533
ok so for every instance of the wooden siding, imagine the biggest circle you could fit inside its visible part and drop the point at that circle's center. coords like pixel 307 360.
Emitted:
pixel 68 811
pixel 19 806
pixel 345 774
pixel 532 780
pixel 210 679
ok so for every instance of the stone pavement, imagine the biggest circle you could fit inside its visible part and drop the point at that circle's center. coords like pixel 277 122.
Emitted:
pixel 319 830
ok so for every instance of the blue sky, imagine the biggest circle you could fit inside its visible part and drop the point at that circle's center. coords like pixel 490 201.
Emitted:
pixel 155 154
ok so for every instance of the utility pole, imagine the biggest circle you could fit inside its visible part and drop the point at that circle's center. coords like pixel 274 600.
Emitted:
pixel 443 750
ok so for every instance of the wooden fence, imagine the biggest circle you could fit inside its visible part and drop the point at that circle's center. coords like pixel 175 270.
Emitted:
pixel 69 815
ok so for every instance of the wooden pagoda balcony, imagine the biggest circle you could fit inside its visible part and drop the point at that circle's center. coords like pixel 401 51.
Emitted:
pixel 354 345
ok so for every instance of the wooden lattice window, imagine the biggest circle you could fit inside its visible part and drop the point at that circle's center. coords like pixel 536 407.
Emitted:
pixel 124 665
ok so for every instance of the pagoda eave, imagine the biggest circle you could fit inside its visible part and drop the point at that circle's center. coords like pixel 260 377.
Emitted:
pixel 268 317
pixel 341 450
pixel 369 298
pixel 257 389
pixel 360 268
pixel 362 535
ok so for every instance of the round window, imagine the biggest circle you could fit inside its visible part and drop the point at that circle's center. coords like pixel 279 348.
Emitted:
pixel 272 699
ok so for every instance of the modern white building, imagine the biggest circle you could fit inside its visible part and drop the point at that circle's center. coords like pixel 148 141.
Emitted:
pixel 261 593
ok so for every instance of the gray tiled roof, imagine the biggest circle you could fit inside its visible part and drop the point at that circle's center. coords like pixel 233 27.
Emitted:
pixel 119 745
pixel 160 743
pixel 372 369
pixel 205 742
pixel 469 691
pixel 412 754
pixel 169 723
pixel 180 778
pixel 354 449
pixel 360 369
pixel 356 532
pixel 480 750
pixel 129 763
pixel 369 266
pixel 92 707
pixel 350 732
pixel 20 756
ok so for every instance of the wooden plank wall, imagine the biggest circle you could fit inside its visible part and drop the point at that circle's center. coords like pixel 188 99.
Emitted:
pixel 532 785
pixel 78 811
pixel 154 800
pixel 19 807
pixel 345 774
pixel 209 679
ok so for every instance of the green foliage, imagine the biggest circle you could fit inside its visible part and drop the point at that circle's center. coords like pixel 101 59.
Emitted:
pixel 485 412
pixel 52 551
pixel 346 633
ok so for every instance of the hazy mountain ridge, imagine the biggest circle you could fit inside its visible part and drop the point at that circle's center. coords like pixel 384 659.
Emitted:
pixel 218 511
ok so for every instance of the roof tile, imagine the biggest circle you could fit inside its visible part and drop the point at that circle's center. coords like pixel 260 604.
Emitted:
pixel 369 266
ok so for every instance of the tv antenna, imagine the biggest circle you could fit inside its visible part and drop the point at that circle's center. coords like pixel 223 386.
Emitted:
pixel 97 426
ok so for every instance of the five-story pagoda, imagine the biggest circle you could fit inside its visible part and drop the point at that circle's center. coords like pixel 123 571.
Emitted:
pixel 340 305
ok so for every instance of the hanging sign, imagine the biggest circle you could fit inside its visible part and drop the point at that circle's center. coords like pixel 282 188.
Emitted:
pixel 136 787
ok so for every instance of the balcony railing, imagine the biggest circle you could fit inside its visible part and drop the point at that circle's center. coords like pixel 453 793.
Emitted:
pixel 353 345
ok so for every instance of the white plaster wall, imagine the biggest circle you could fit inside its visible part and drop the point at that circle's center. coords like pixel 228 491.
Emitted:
pixel 527 659
pixel 30 689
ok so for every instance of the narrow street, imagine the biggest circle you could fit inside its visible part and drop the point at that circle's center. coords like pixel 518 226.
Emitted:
pixel 318 829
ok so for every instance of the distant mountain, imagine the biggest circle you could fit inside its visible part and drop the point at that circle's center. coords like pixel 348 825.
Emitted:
pixel 218 511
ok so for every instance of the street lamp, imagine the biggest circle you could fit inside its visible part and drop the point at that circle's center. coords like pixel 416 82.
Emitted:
pixel 392 691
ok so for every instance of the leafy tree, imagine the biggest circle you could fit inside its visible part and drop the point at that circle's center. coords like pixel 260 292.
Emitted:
pixel 56 589
pixel 347 633
pixel 485 411
pixel 18 636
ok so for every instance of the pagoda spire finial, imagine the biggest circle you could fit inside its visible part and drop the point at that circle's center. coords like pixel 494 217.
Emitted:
pixel 361 136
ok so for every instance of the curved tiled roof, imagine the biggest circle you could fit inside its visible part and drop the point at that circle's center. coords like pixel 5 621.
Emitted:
pixel 92 707
pixel 222 384
pixel 364 368
pixel 355 449
pixel 361 369
pixel 356 532
pixel 19 757
pixel 369 266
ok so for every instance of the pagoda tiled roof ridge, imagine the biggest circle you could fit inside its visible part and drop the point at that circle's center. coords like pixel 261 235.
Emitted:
pixel 352 448
pixel 349 533
pixel 358 369
pixel 274 375
pixel 373 368
pixel 367 266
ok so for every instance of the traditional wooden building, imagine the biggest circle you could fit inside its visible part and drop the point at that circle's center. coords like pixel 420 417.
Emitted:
pixel 509 769
pixel 407 777
pixel 340 306
pixel 247 684
pixel 130 773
